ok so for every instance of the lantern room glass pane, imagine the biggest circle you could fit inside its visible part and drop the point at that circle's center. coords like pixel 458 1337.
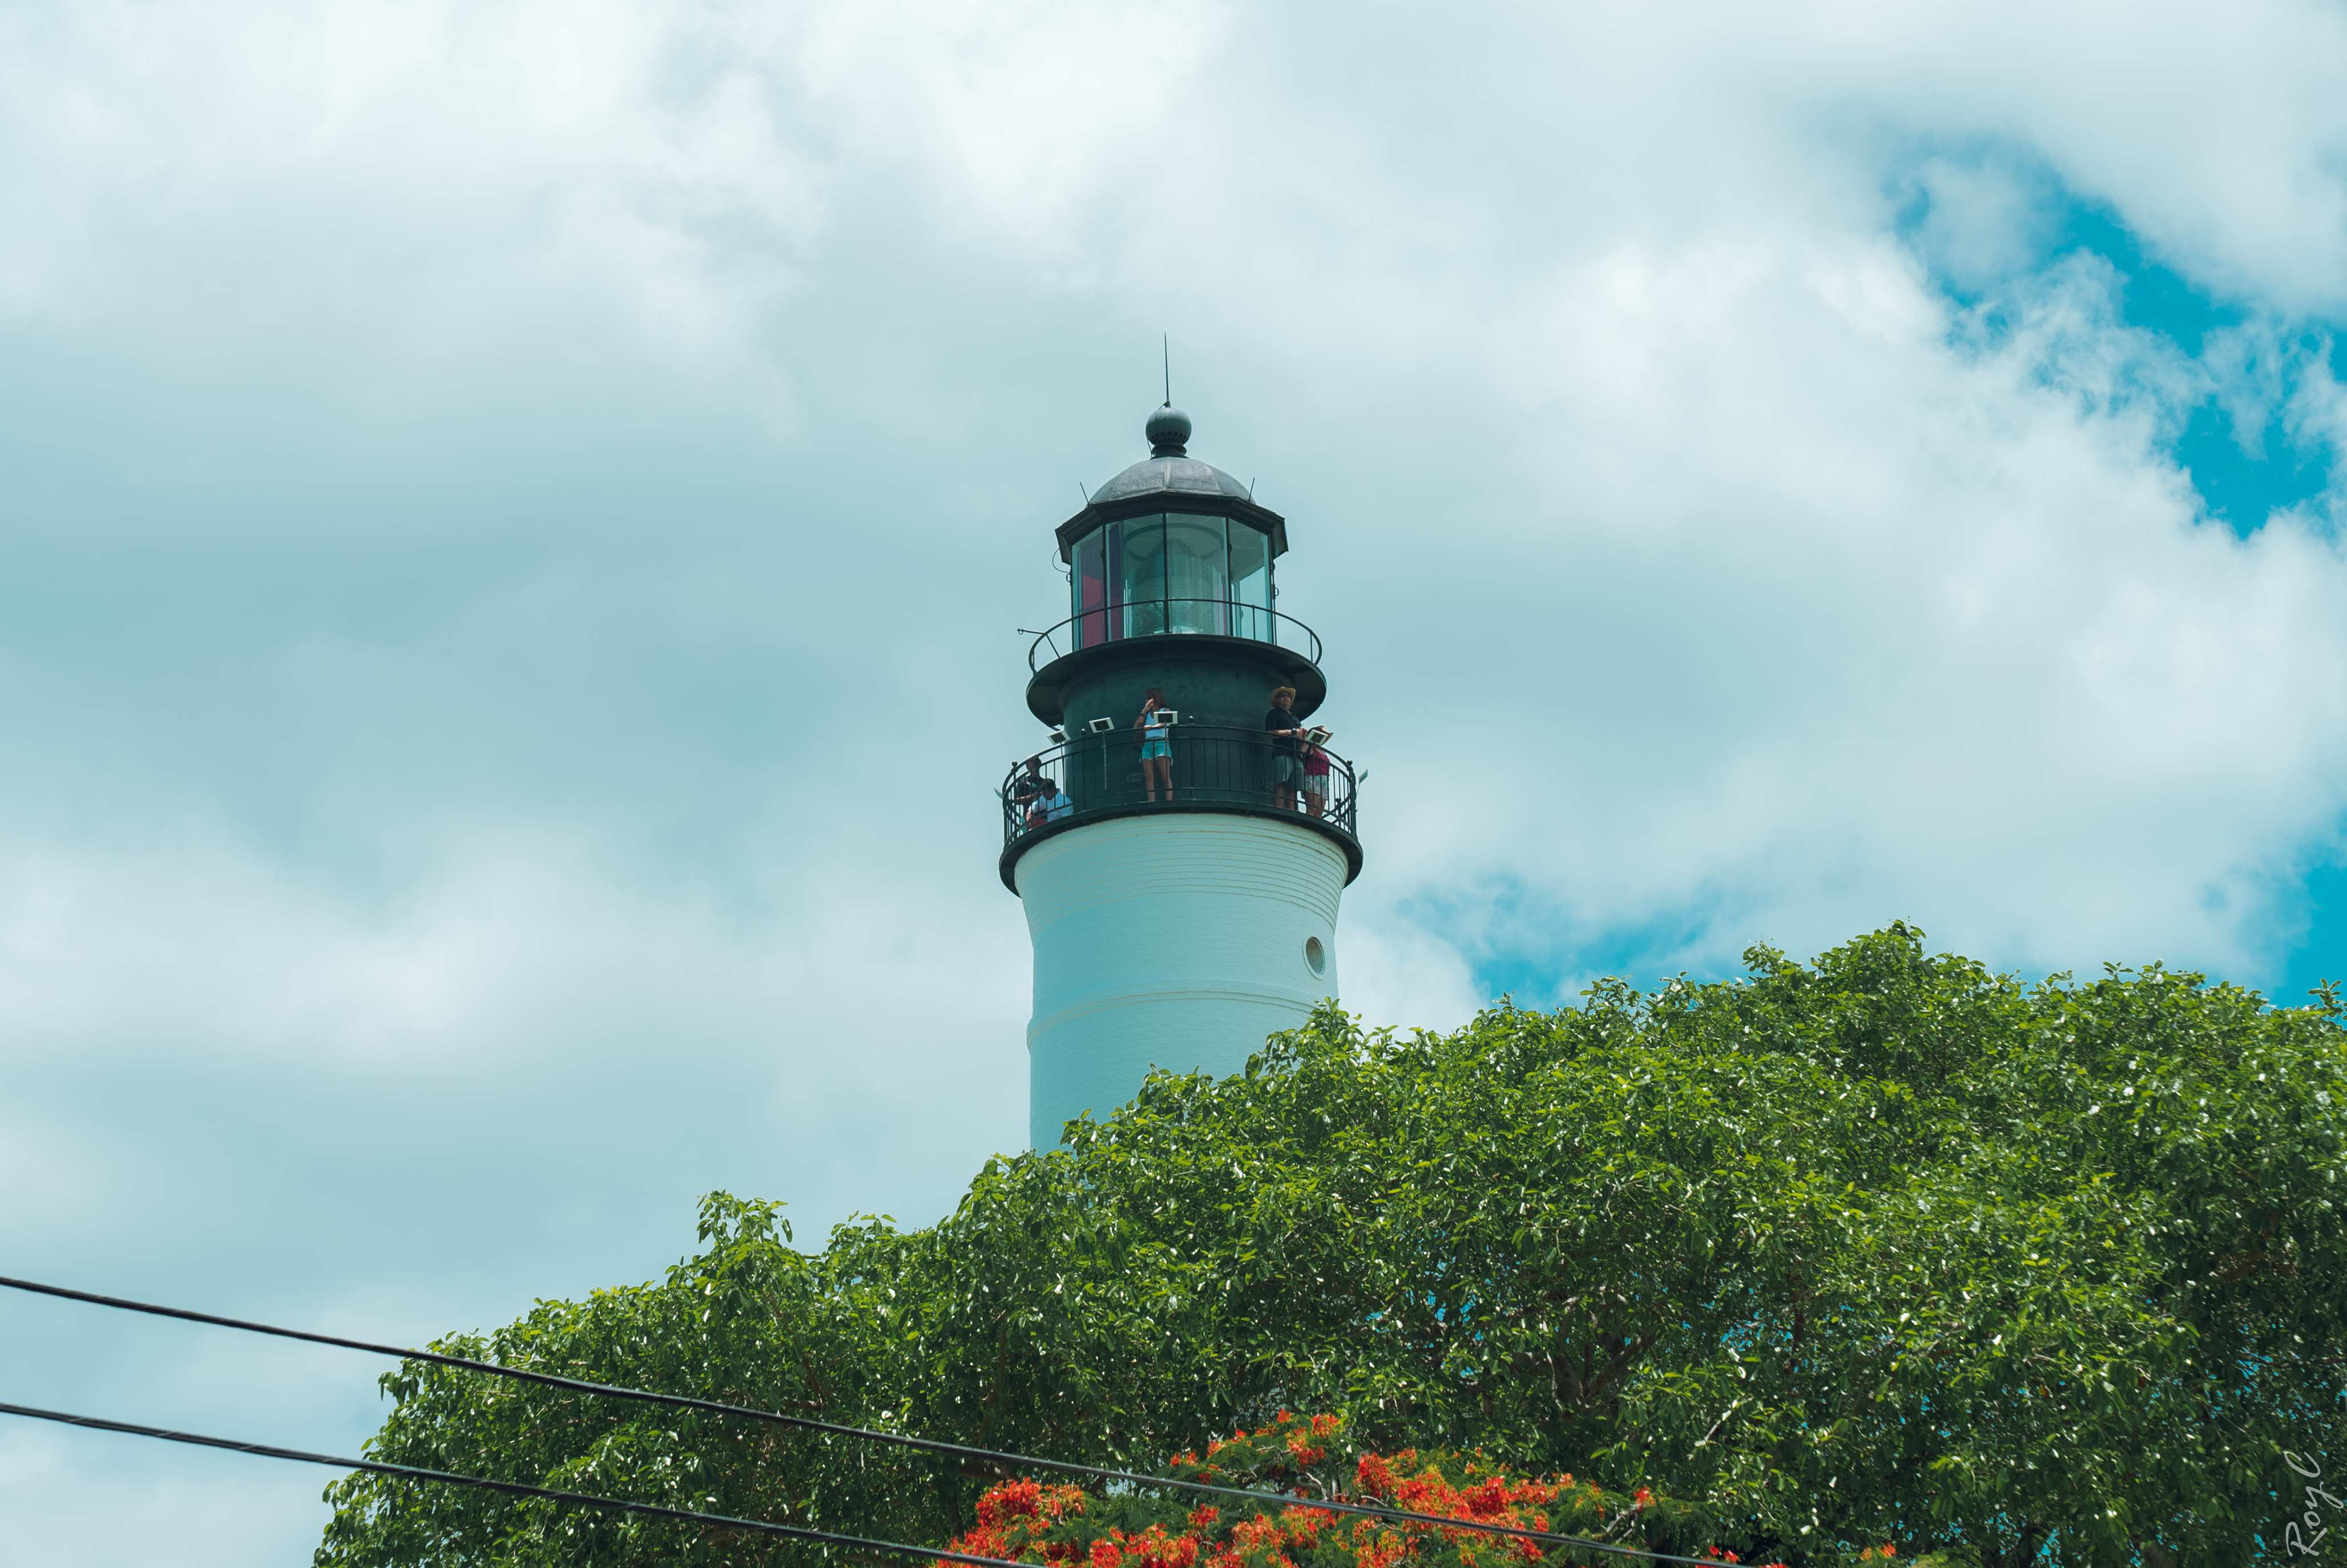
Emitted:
pixel 1197 573
pixel 1251 584
pixel 1137 574
pixel 1089 585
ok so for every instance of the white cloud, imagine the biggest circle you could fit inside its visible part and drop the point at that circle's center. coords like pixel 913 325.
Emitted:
pixel 1920 630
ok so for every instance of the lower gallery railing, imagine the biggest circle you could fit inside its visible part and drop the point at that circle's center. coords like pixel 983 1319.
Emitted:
pixel 1209 764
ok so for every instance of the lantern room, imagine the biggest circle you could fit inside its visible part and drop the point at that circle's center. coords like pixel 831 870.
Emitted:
pixel 1171 571
pixel 1172 545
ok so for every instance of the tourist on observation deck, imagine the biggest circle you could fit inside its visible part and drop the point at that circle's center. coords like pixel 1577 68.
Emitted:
pixel 1156 746
pixel 1023 792
pixel 1286 757
pixel 1050 805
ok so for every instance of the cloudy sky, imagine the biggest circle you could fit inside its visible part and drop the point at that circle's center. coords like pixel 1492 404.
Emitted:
pixel 515 516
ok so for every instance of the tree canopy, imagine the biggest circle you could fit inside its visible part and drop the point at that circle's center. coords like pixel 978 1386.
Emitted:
pixel 1886 1247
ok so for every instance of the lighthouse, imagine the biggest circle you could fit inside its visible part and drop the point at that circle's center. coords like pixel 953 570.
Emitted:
pixel 1181 842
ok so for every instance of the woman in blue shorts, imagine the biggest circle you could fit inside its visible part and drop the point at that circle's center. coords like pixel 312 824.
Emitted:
pixel 1156 745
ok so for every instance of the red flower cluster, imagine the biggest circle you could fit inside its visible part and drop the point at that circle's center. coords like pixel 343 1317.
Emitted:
pixel 1260 1542
pixel 1300 1441
pixel 1491 1497
pixel 1153 1547
pixel 1013 1517
pixel 1044 1523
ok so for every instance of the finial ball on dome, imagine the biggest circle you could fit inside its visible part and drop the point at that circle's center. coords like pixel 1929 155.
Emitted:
pixel 1169 433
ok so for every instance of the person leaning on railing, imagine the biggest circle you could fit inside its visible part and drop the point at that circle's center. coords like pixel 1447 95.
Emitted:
pixel 1023 792
pixel 1316 779
pixel 1050 805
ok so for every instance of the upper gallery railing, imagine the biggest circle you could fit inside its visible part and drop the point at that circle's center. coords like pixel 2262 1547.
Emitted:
pixel 1173 618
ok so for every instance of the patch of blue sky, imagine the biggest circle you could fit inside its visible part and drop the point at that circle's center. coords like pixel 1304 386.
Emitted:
pixel 1545 974
pixel 2245 458
pixel 1992 227
pixel 1522 943
pixel 2322 956
pixel 1997 229
pixel 1992 223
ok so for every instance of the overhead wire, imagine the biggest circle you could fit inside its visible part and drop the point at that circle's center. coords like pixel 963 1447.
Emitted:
pixel 512 1488
pixel 809 1423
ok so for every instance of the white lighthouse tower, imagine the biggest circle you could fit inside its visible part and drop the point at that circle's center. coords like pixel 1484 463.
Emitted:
pixel 1181 865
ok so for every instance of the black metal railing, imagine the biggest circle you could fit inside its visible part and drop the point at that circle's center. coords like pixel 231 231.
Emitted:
pixel 1211 765
pixel 1174 617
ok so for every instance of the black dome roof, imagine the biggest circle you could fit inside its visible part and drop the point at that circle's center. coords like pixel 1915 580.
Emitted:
pixel 1169 467
pixel 1185 476
pixel 1158 480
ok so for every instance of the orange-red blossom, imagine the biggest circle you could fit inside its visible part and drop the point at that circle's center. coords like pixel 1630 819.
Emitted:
pixel 1017 1519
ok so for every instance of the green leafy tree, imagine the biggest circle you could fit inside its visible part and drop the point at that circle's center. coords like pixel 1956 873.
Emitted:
pixel 1883 1249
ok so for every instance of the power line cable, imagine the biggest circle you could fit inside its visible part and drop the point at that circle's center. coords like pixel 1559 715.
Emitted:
pixel 512 1488
pixel 808 1423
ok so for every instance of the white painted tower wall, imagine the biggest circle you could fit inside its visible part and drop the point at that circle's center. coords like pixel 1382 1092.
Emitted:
pixel 1176 941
